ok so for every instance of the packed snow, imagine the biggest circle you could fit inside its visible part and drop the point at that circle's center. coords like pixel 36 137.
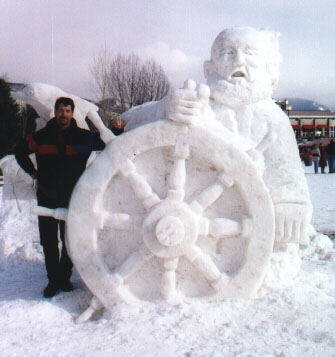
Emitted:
pixel 293 320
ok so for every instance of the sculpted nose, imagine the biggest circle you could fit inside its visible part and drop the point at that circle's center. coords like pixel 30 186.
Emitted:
pixel 239 58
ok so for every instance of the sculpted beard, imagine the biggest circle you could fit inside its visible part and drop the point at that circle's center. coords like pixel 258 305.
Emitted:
pixel 227 93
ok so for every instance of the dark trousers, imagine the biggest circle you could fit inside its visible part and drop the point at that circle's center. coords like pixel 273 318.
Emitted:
pixel 59 268
pixel 331 161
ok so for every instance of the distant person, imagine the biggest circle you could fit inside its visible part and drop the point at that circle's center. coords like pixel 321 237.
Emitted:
pixel 62 150
pixel 323 158
pixel 330 151
pixel 308 157
pixel 316 158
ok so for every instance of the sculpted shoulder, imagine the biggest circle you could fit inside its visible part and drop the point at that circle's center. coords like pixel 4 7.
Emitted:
pixel 144 114
pixel 271 110
pixel 269 106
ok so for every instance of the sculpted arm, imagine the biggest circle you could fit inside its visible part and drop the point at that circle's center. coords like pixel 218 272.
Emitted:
pixel 144 114
pixel 284 176
pixel 191 106
pixel 188 105
pixel 184 106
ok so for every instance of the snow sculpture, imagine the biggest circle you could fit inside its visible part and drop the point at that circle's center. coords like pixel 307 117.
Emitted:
pixel 195 204
pixel 42 98
pixel 158 217
pixel 241 75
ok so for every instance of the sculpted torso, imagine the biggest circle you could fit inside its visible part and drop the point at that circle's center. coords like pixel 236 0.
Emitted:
pixel 241 76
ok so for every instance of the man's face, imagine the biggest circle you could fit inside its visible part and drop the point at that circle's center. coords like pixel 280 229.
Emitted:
pixel 241 57
pixel 64 115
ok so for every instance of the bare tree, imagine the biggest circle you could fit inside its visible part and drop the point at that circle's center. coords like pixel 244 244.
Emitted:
pixel 10 121
pixel 99 70
pixel 128 80
pixel 155 86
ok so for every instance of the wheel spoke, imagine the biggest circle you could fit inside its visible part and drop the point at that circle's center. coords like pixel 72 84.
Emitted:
pixel 133 263
pixel 207 197
pixel 207 267
pixel 140 185
pixel 182 151
pixel 120 291
pixel 177 177
pixel 203 224
pixel 168 283
pixel 177 180
pixel 224 227
pixel 203 263
pixel 227 179
pixel 122 221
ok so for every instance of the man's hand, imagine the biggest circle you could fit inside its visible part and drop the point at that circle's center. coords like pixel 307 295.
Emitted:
pixel 105 134
pixel 188 105
pixel 292 222
pixel 118 123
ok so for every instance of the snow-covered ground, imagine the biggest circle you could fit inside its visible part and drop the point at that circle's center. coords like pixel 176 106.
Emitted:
pixel 297 320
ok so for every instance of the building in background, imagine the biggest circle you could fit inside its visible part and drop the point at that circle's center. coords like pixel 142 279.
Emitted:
pixel 310 124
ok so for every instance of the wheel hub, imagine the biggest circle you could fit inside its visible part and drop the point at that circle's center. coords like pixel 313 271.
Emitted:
pixel 170 231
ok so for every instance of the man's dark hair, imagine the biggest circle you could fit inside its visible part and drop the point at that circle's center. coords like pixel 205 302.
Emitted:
pixel 65 101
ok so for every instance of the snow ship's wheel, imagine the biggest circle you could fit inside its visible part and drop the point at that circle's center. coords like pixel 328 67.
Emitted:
pixel 173 212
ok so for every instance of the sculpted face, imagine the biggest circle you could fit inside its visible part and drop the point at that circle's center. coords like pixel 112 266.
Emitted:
pixel 244 65
pixel 241 57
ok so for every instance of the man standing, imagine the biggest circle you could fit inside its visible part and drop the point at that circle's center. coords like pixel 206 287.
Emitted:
pixel 330 150
pixel 62 150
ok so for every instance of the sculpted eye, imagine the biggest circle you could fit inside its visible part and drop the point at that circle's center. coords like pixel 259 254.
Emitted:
pixel 227 51
pixel 250 52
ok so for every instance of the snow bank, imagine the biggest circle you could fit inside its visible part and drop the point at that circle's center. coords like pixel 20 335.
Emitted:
pixel 296 320
pixel 19 232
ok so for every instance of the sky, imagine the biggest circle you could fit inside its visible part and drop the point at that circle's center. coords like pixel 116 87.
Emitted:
pixel 55 41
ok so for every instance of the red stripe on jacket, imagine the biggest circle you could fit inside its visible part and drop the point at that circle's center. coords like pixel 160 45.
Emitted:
pixel 32 145
pixel 47 149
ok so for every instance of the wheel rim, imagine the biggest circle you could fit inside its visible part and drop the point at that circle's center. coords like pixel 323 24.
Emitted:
pixel 171 224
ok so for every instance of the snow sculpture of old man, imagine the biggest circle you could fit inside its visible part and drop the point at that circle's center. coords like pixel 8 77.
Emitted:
pixel 242 73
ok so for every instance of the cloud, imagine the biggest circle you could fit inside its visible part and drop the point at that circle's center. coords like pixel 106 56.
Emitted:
pixel 54 42
pixel 177 64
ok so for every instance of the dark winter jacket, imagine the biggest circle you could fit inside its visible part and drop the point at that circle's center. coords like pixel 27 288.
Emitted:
pixel 330 148
pixel 61 157
pixel 323 157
